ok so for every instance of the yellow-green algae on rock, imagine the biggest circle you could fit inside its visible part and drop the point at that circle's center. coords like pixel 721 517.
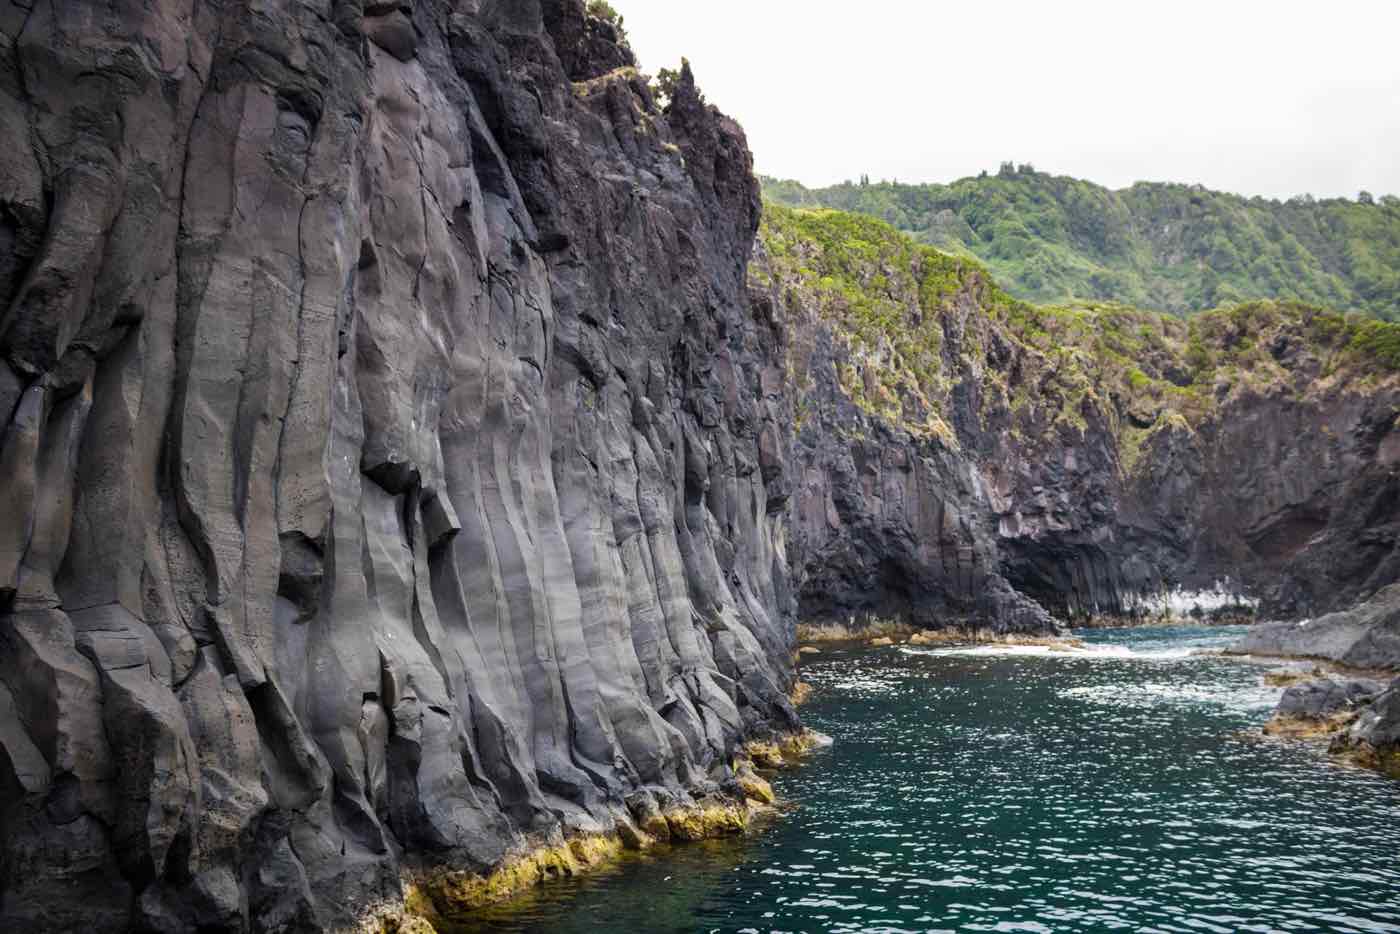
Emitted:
pixel 707 821
pixel 863 630
pixel 400 923
pixel 433 895
pixel 443 893
pixel 775 754
pixel 753 785
pixel 1308 727
pixel 1361 753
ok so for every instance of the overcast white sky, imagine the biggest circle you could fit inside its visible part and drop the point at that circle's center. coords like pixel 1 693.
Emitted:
pixel 1272 99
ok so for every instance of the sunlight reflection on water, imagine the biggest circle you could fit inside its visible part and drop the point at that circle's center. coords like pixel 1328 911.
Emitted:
pixel 1118 788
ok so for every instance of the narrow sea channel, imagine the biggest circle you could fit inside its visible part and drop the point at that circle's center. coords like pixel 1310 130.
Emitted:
pixel 1022 789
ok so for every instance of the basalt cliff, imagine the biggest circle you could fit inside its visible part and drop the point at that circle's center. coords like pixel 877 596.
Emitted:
pixel 391 463
pixel 409 458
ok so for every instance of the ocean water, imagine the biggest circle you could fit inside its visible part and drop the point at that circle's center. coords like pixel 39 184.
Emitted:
pixel 1121 787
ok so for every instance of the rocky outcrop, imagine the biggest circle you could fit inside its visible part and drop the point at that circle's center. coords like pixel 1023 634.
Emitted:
pixel 1321 706
pixel 1326 697
pixel 1365 636
pixel 1359 716
pixel 1373 739
pixel 387 471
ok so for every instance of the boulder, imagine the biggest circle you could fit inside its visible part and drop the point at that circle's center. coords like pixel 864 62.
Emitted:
pixel 1325 698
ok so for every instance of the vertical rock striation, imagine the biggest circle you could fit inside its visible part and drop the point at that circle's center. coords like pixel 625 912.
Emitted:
pixel 384 473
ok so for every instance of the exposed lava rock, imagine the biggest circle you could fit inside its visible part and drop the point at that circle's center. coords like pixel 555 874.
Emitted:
pixel 957 451
pixel 1364 636
pixel 381 472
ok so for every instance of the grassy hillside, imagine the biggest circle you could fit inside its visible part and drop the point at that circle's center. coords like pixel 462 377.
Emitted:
pixel 1176 248
pixel 891 302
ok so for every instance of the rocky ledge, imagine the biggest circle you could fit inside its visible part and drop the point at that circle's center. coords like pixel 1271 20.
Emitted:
pixel 1373 739
pixel 1360 717
pixel 1321 706
pixel 1364 636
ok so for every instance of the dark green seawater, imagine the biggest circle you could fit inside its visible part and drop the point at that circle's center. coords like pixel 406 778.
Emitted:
pixel 1023 790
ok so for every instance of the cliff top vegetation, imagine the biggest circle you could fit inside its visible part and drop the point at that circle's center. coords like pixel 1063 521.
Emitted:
pixel 1173 247
pixel 915 320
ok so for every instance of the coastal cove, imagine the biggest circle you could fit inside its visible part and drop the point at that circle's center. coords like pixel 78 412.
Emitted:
pixel 440 489
pixel 1015 788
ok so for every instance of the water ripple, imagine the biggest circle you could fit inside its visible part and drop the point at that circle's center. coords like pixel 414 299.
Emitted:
pixel 995 789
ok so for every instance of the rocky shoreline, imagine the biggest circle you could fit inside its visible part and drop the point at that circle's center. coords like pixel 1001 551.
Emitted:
pixel 1351 697
pixel 1366 636
pixel 1142 621
pixel 1359 719
pixel 810 638
pixel 437 895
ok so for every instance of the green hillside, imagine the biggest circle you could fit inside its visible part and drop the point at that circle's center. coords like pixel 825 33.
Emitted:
pixel 887 300
pixel 1172 247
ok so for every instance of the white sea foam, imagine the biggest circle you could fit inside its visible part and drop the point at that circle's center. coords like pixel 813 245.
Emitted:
pixel 1181 603
pixel 1066 650
pixel 1154 693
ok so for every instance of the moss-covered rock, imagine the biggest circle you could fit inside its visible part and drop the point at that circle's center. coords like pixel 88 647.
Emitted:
pixel 716 819
pixel 446 892
pixel 960 450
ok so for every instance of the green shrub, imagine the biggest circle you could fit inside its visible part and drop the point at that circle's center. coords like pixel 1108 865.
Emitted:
pixel 1175 248
pixel 603 10
pixel 1378 341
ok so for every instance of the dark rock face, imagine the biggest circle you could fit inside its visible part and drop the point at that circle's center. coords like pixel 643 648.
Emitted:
pixel 1002 475
pixel 1378 729
pixel 1326 697
pixel 389 462
pixel 1285 499
pixel 1365 636
pixel 886 521
pixel 1283 495
pixel 1296 493
pixel 888 525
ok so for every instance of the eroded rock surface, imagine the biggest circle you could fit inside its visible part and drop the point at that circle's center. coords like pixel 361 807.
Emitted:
pixel 383 473
pixel 1373 740
pixel 958 452
pixel 396 462
pixel 1364 636
pixel 1325 698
